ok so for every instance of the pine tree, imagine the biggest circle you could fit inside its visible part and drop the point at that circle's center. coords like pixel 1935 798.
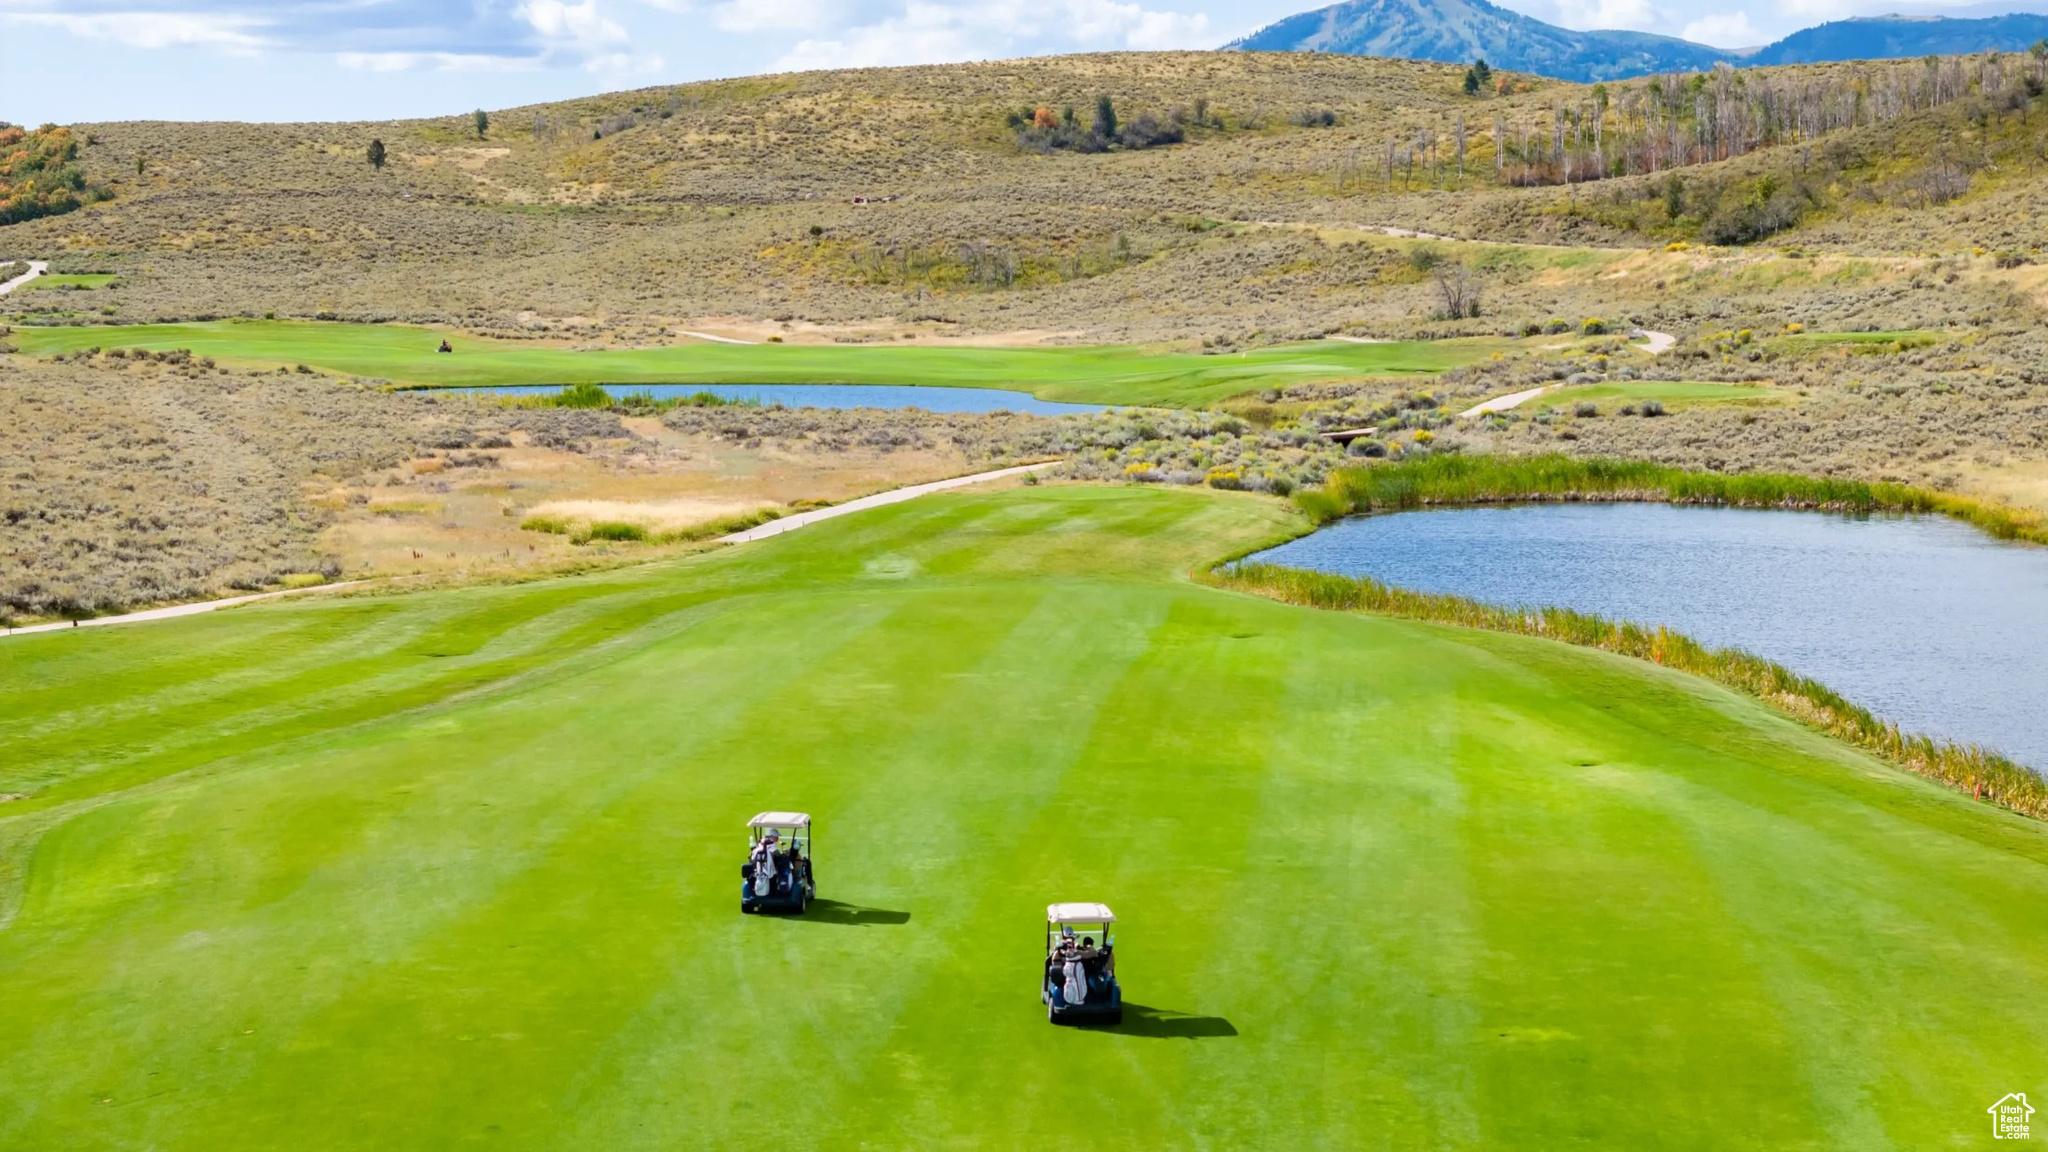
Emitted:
pixel 1471 82
pixel 376 154
pixel 1105 118
pixel 483 123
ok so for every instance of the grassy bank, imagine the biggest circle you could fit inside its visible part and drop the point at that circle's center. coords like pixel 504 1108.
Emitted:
pixel 460 867
pixel 1091 374
pixel 1983 774
pixel 1502 479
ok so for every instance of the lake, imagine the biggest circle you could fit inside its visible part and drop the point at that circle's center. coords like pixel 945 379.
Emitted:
pixel 1924 620
pixel 829 396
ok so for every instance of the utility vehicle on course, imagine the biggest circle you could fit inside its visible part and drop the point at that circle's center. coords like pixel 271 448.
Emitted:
pixel 778 875
pixel 1079 981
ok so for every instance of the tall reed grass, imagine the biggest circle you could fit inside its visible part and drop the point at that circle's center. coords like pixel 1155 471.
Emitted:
pixel 1442 480
pixel 1967 767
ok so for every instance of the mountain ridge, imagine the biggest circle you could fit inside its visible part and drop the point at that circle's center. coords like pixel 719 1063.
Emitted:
pixel 1459 31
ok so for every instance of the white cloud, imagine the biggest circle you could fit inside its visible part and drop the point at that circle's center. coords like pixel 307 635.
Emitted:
pixel 1591 14
pixel 1725 30
pixel 924 32
pixel 230 31
pixel 767 15
pixel 430 61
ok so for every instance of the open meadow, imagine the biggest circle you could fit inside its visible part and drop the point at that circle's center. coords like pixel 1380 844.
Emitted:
pixel 461 867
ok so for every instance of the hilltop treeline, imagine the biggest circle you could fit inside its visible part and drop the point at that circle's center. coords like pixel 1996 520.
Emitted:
pixel 39 174
pixel 1666 122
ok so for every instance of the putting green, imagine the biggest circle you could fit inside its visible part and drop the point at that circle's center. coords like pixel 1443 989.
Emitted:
pixel 1091 374
pixel 462 867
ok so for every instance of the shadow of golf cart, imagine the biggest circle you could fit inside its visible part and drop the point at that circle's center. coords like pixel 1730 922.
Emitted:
pixel 778 875
pixel 1078 984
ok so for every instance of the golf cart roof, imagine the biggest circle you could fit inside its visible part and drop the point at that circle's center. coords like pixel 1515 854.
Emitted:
pixel 781 820
pixel 1079 914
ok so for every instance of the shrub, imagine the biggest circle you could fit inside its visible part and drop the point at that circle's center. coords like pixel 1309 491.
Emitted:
pixel 1585 408
pixel 39 175
pixel 553 525
pixel 1652 408
pixel 615 530
pixel 1593 326
pixel 585 395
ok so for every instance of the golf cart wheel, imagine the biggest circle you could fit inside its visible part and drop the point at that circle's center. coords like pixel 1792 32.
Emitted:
pixel 746 909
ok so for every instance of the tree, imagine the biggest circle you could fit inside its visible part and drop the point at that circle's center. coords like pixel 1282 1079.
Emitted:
pixel 1105 118
pixel 377 154
pixel 139 164
pixel 1481 72
pixel 1471 82
pixel 1458 289
pixel 483 123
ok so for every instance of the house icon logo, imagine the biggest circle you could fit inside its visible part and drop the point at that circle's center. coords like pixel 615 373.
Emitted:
pixel 2009 1118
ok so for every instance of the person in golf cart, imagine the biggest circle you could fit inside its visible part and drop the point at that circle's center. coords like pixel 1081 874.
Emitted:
pixel 778 874
pixel 1079 983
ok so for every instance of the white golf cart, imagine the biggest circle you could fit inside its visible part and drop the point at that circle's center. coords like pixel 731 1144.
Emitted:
pixel 778 875
pixel 1078 983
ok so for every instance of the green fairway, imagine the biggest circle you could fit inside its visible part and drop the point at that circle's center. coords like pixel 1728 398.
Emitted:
pixel 462 867
pixel 1097 374
pixel 70 280
pixel 1673 394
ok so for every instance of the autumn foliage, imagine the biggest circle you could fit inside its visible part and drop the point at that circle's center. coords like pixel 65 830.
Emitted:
pixel 39 174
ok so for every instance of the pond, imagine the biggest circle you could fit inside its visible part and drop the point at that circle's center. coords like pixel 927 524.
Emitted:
pixel 1924 620
pixel 829 396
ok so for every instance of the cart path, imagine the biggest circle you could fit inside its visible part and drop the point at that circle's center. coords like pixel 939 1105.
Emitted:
pixel 35 268
pixel 1656 344
pixel 1503 403
pixel 893 496
pixel 175 610
pixel 720 339
pixel 772 528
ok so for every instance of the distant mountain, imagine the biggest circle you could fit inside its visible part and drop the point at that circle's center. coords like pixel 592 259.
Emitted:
pixel 1887 37
pixel 1459 31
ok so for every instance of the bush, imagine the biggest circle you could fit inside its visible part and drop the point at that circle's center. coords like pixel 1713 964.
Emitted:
pixel 1652 408
pixel 583 396
pixel 1585 408
pixel 615 530
pixel 1593 326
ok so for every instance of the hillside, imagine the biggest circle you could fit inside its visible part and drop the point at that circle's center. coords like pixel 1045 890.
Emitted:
pixel 635 213
pixel 1885 37
pixel 1461 31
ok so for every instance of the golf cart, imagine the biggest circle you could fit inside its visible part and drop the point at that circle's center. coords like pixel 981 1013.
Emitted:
pixel 777 876
pixel 1078 983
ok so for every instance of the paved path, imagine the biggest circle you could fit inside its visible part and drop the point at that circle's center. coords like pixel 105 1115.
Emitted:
pixel 1503 403
pixel 35 268
pixel 177 609
pixel 894 496
pixel 719 339
pixel 772 528
pixel 1659 343
pixel 1359 339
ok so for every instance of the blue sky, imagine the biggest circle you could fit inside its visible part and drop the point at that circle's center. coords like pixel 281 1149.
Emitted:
pixel 76 60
